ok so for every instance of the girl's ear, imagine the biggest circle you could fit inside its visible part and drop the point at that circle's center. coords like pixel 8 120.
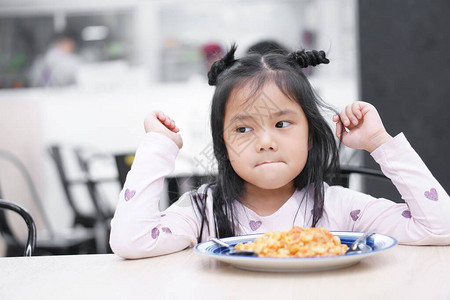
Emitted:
pixel 310 142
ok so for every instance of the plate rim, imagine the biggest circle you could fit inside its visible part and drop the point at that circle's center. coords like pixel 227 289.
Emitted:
pixel 284 264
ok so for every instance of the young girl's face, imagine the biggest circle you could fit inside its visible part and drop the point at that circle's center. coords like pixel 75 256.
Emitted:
pixel 266 137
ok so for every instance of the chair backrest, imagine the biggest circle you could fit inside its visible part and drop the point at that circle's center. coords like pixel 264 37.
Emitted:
pixel 7 233
pixel 55 154
pixel 369 177
pixel 86 161
pixel 347 171
pixel 178 185
pixel 80 218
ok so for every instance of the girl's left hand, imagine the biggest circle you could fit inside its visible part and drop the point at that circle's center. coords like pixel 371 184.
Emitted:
pixel 365 129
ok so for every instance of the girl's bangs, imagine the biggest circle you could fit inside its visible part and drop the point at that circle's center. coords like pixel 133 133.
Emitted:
pixel 254 84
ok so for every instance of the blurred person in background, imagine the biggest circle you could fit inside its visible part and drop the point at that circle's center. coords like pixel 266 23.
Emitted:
pixel 212 52
pixel 58 66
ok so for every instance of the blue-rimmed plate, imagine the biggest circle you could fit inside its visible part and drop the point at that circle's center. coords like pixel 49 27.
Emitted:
pixel 378 242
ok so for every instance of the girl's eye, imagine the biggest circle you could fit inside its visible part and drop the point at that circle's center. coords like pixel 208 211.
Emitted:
pixel 243 129
pixel 282 124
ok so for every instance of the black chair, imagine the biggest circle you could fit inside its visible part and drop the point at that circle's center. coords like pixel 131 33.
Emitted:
pixel 178 185
pixel 49 242
pixel 87 220
pixel 101 214
pixel 347 171
pixel 368 176
pixel 7 233
pixel 85 161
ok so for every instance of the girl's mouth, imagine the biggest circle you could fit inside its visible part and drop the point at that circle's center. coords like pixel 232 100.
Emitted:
pixel 268 163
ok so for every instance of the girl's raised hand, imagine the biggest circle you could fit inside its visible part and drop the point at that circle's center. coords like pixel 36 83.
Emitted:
pixel 157 121
pixel 365 129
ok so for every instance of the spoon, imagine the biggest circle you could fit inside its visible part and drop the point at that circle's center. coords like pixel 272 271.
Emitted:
pixel 232 250
pixel 360 245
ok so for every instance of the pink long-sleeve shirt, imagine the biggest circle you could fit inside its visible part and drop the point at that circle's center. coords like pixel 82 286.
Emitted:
pixel 139 229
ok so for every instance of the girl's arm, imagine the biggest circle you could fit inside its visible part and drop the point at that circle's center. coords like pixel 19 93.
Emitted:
pixel 423 219
pixel 138 228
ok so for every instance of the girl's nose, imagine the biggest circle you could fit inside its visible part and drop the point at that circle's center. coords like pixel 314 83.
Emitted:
pixel 265 141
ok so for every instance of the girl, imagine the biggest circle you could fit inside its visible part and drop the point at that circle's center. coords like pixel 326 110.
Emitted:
pixel 274 152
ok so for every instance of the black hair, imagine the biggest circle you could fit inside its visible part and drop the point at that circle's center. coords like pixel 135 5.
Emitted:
pixel 267 46
pixel 285 70
pixel 67 34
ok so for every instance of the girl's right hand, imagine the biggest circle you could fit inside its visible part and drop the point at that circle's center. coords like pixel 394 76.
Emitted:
pixel 365 129
pixel 157 121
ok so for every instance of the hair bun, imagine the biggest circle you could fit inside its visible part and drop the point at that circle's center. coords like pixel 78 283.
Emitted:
pixel 220 65
pixel 309 58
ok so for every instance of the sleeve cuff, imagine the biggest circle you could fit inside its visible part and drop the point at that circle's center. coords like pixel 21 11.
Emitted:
pixel 163 141
pixel 397 145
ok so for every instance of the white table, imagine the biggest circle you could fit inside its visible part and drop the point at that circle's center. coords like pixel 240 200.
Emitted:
pixel 400 273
